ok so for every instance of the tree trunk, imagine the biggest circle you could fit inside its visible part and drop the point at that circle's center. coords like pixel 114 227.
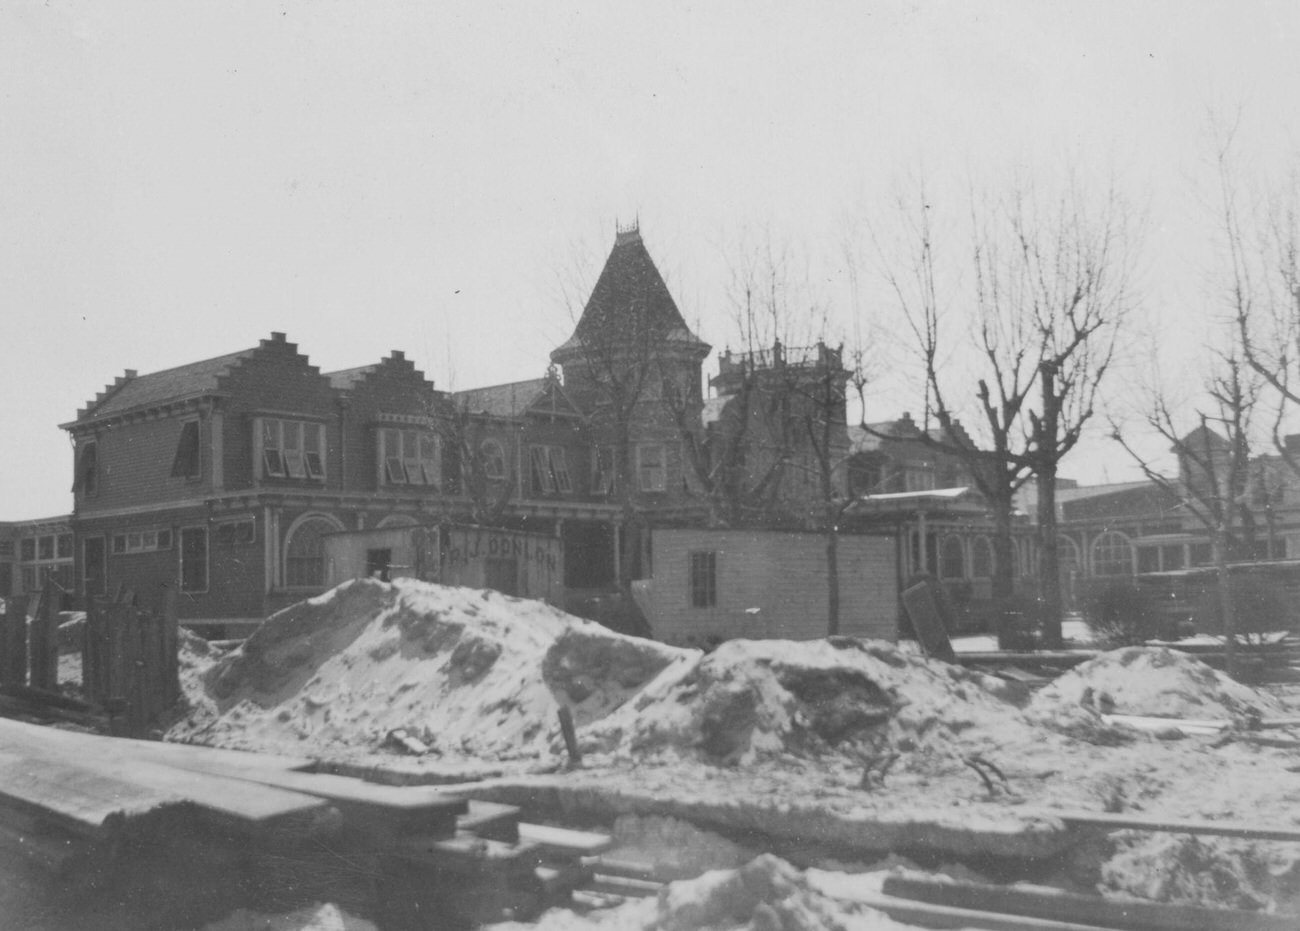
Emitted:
pixel 832 580
pixel 1049 564
pixel 1003 577
pixel 1227 605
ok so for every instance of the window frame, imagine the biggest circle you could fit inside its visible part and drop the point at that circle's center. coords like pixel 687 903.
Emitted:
pixel 140 540
pixel 183 564
pixel 486 457
pixel 87 478
pixel 702 578
pixel 233 529
pixel 643 469
pixel 396 464
pixel 604 470
pixel 548 470
pixel 1097 563
pixel 283 451
pixel 187 463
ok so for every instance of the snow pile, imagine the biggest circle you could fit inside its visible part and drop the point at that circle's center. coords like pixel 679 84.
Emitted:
pixel 765 894
pixel 312 918
pixel 1210 871
pixel 674 849
pixel 1153 681
pixel 467 671
pixel 755 698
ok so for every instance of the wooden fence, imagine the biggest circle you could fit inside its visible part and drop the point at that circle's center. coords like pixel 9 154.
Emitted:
pixel 129 660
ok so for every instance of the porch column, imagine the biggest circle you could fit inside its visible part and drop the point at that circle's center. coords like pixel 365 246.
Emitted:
pixel 618 552
pixel 923 545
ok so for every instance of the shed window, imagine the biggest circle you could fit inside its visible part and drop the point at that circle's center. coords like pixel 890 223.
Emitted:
pixel 703 582
pixel 185 464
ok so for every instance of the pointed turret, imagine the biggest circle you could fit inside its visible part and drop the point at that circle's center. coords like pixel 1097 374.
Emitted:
pixel 630 309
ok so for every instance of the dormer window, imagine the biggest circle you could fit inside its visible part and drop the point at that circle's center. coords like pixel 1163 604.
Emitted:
pixel 292 449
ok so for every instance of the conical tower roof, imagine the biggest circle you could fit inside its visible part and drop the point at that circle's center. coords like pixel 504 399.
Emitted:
pixel 629 306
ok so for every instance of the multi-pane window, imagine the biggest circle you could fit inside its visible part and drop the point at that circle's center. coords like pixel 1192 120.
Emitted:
pixel 651 469
pixel 232 532
pixel 1112 554
pixel 292 449
pixel 141 541
pixel 27 549
pixel 65 546
pixel 548 470
pixel 410 457
pixel 186 463
pixel 603 470
pixel 703 580
pixel 194 559
pixel 493 458
pixel 304 557
pixel 45 548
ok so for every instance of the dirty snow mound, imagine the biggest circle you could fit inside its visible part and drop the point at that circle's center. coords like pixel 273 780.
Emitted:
pixel 765 894
pixel 313 918
pixel 754 698
pixel 1214 872
pixel 471 672
pixel 1153 681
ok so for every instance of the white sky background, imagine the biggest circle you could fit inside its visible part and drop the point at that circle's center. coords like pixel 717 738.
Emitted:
pixel 179 179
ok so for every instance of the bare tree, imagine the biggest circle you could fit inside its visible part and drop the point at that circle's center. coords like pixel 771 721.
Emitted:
pixel 485 478
pixel 1213 445
pixel 1052 285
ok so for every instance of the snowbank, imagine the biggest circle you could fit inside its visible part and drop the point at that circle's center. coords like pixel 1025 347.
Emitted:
pixel 754 698
pixel 767 893
pixel 469 672
pixel 1153 681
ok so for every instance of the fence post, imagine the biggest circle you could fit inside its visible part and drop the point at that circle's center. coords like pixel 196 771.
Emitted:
pixel 171 679
pixel 13 641
pixel 43 640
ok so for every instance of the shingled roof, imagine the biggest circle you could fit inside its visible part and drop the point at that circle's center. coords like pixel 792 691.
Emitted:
pixel 132 391
pixel 509 400
pixel 630 301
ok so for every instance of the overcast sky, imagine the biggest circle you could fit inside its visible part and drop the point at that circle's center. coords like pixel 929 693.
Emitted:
pixel 179 179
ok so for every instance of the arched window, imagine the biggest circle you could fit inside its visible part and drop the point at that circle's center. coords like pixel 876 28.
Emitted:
pixel 952 559
pixel 981 558
pixel 304 554
pixel 396 520
pixel 493 458
pixel 1112 554
pixel 1067 557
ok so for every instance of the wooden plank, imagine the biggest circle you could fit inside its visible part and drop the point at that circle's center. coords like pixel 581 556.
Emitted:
pixel 623 886
pixel 466 853
pixel 1189 728
pixel 232 804
pixel 1115 822
pixel 75 798
pixel 928 915
pixel 1041 902
pixel 564 841
pixel 923 606
pixel 1045 657
pixel 491 820
pixel 184 756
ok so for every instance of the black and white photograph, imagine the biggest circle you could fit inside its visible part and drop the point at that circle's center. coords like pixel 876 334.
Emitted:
pixel 694 466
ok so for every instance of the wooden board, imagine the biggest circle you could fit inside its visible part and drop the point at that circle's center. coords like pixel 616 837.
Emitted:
pixel 564 841
pixel 929 915
pixel 922 604
pixel 1135 822
pixel 76 798
pixel 1041 902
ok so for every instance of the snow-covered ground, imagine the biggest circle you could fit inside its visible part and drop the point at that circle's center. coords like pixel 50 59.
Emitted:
pixel 804 743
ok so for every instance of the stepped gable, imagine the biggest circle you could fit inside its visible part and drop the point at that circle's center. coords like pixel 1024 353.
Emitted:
pixel 630 299
pixel 395 363
pixel 135 392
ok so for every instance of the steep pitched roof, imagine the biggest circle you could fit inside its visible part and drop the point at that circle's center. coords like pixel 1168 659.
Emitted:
pixel 134 391
pixel 509 400
pixel 630 301
pixel 348 378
